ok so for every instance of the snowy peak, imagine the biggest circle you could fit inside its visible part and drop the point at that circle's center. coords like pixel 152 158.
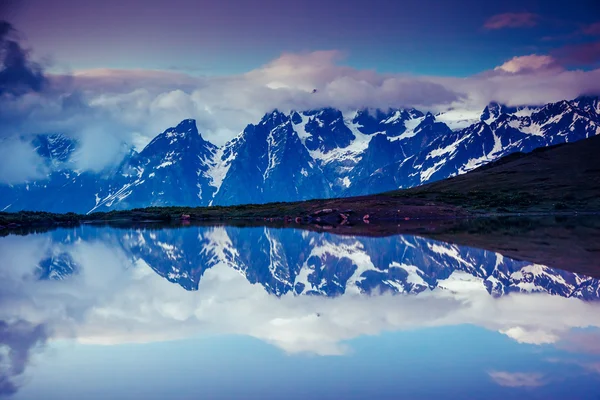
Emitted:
pixel 184 134
pixel 302 155
pixel 176 144
pixel 327 130
pixel 429 124
pixel 268 162
pixel 273 119
pixel 171 170
pixel 187 125
pixel 56 148
pixel 494 110
pixel 58 265
pixel 590 104
pixel 393 122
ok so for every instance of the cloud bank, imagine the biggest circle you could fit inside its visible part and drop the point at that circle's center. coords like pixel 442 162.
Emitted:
pixel 108 111
pixel 18 74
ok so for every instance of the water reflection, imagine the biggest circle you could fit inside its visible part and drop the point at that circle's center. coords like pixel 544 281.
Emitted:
pixel 300 291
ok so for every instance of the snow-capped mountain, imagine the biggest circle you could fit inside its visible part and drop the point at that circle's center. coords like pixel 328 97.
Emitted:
pixel 179 158
pixel 267 162
pixel 308 263
pixel 299 156
pixel 57 266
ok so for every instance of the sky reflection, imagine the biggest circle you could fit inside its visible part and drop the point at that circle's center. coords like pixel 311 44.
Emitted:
pixel 225 304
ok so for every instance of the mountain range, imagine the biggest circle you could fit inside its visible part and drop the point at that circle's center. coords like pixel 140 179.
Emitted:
pixel 298 156
pixel 300 262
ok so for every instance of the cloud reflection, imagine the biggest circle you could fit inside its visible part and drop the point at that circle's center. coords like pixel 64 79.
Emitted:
pixel 17 341
pixel 111 286
pixel 517 379
pixel 115 297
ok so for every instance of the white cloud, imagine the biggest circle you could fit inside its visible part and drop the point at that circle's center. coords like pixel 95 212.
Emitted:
pixel 517 379
pixel 523 335
pixel 134 106
pixel 19 161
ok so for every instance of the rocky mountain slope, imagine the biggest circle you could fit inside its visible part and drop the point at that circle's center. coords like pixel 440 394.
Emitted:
pixel 298 156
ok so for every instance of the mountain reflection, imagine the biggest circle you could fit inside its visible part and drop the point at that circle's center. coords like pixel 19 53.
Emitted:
pixel 286 261
pixel 298 290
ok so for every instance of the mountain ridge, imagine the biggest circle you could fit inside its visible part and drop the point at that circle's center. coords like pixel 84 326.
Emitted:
pixel 299 156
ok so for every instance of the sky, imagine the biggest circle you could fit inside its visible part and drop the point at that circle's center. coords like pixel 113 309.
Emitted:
pixel 425 37
pixel 114 74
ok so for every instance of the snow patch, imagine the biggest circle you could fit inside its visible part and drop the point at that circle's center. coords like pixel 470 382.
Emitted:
pixel 462 282
pixel 457 119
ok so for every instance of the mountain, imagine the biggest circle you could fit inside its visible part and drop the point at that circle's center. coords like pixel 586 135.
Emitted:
pixel 64 189
pixel 568 172
pixel 298 156
pixel 267 162
pixel 172 169
pixel 289 261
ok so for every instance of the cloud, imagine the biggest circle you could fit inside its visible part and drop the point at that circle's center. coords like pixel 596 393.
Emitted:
pixel 592 29
pixel 528 63
pixel 17 341
pixel 517 379
pixel 587 366
pixel 123 81
pixel 530 336
pixel 584 54
pixel 18 74
pixel 20 162
pixel 511 20
pixel 107 111
pixel 581 341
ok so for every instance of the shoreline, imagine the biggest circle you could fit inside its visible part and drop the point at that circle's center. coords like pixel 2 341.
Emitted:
pixel 565 240
pixel 327 219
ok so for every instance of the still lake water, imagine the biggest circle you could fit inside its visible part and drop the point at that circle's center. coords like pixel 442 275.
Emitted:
pixel 261 313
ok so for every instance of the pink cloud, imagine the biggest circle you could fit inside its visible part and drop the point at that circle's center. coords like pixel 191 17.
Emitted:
pixel 592 30
pixel 531 62
pixel 581 342
pixel 579 54
pixel 588 366
pixel 511 20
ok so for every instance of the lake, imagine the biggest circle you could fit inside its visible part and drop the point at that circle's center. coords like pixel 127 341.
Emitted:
pixel 220 312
